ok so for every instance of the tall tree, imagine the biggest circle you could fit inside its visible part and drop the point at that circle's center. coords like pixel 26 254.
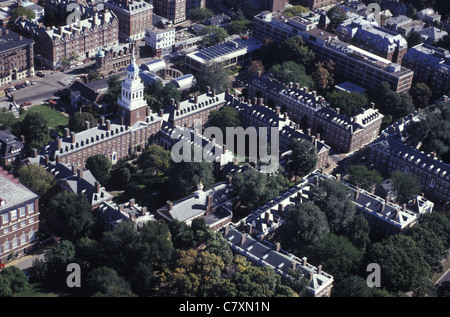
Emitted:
pixel 38 179
pixel 295 49
pixel 363 178
pixel 333 198
pixel 349 104
pixel 74 211
pixel 225 117
pixel 77 121
pixel 215 77
pixel 402 262
pixel 255 188
pixel 404 185
pixel 199 14
pixel 323 76
pixel 303 158
pixel 291 72
pixel 212 35
pixel 100 166
pixel 35 130
pixel 154 159
pixel 304 225
pixel 421 95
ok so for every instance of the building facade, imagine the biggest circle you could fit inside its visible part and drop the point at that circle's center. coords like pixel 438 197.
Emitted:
pixel 352 63
pixel 19 217
pixel 176 11
pixel 82 39
pixel 314 114
pixel 16 57
pixel 134 17
pixel 114 59
pixel 160 41
pixel 431 65
pixel 11 148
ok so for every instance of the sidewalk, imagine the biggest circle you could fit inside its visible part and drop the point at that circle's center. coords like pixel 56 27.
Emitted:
pixel 26 261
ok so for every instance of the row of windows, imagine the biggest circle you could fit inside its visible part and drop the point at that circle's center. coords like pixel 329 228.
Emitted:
pixel 20 212
pixel 8 246
pixel 16 226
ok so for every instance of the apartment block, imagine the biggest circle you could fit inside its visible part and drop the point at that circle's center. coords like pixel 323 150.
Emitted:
pixel 176 10
pixel 19 217
pixel 351 62
pixel 389 154
pixel 314 115
pixel 16 57
pixel 82 39
pixel 431 65
pixel 134 17
pixel 160 41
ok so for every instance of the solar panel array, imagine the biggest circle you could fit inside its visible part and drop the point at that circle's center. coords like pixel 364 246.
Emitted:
pixel 218 50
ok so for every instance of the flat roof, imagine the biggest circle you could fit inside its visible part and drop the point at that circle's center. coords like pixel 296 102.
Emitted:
pixel 225 50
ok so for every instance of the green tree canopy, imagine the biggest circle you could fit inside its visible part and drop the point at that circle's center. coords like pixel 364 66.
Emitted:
pixel 396 105
pixel 36 178
pixel 12 281
pixel 34 128
pixel 291 72
pixel 431 132
pixel 77 122
pixel 7 120
pixel 304 225
pixel 364 178
pixel 154 159
pixel 255 188
pixel 214 76
pixel 100 166
pixel 159 96
pixel 74 211
pixel 225 117
pixel 402 263
pixel 304 157
pixel 212 35
pixel 199 14
pixel 337 255
pixel 404 185
pixel 334 199
pixel 22 11
pixel 350 104
pixel 421 95
pixel 239 27
pixel 295 49
pixel 184 177
pixel 105 281
pixel 295 10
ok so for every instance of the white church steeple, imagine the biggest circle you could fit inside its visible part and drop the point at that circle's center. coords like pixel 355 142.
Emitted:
pixel 132 96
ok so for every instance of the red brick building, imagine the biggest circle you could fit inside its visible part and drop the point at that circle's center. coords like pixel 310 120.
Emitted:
pixel 19 217
pixel 134 16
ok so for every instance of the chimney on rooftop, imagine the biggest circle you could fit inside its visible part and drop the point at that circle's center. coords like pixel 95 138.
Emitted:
pixel 169 205
pixel 34 152
pixel 108 125
pixel 72 137
pixel 243 237
pixel 87 125
pixel 67 132
pixel 132 201
pixel 97 187
pixel 47 159
pixel 277 246
pixel 143 211
pixel 80 173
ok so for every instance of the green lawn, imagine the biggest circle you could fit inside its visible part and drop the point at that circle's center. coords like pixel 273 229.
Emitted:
pixel 53 117
pixel 35 290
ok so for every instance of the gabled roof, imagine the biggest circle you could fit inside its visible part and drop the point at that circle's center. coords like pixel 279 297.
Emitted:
pixel 9 144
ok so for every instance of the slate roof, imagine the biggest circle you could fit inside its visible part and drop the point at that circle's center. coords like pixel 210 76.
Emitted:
pixel 12 40
pixel 85 184
pixel 12 192
pixel 414 157
pixel 10 145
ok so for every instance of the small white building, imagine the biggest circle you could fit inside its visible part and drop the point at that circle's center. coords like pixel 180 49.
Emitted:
pixel 160 41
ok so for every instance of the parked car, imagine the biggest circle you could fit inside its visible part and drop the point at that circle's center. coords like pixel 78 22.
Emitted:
pixel 26 103
pixel 32 82
pixel 18 87
pixel 40 74
pixel 27 82
pixel 24 85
